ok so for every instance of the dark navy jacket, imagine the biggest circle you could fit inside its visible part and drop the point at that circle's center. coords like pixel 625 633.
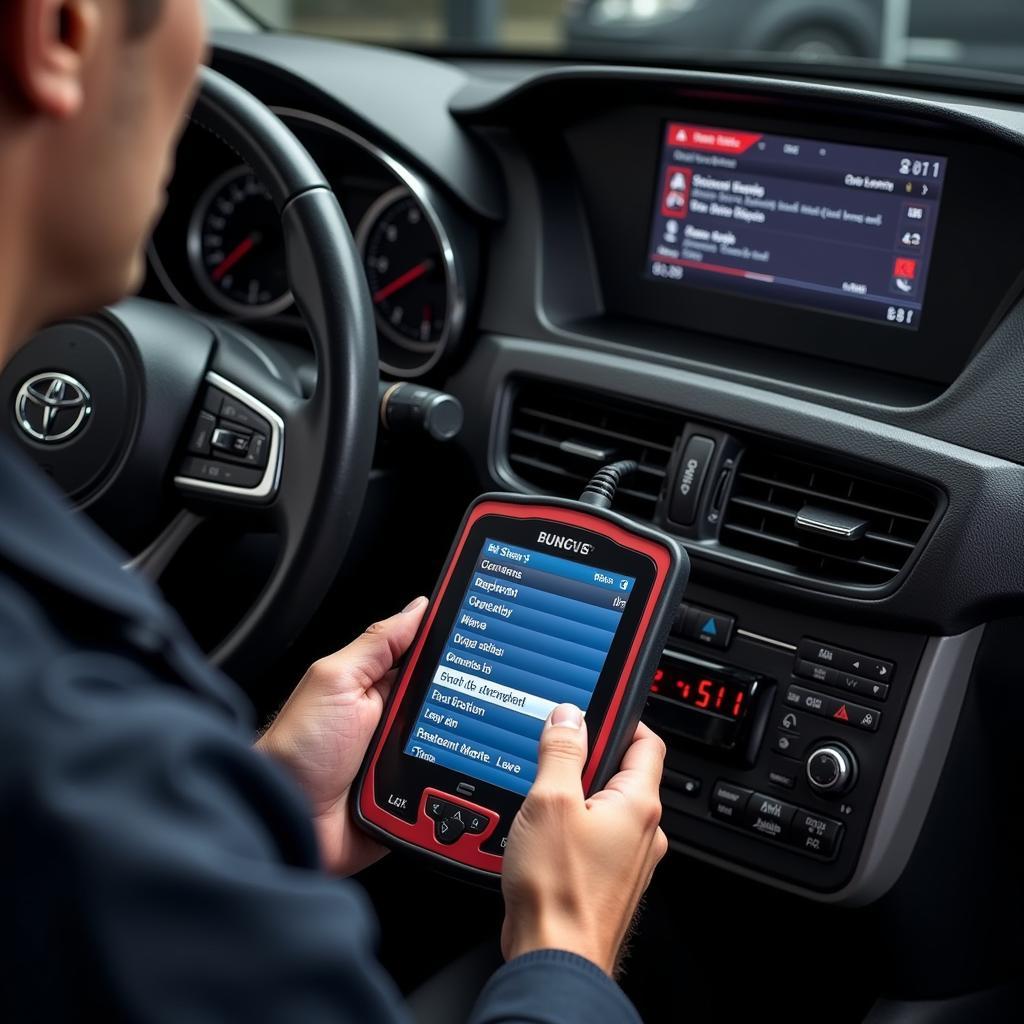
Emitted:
pixel 153 867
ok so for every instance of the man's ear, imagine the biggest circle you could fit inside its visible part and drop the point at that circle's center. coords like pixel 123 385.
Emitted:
pixel 47 44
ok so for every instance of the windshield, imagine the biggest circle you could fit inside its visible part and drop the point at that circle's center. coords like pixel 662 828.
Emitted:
pixel 983 35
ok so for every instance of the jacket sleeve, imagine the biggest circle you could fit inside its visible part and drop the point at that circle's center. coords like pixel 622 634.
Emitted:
pixel 167 872
pixel 552 986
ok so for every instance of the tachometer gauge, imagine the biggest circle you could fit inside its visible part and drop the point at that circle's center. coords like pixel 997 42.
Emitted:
pixel 409 271
pixel 236 247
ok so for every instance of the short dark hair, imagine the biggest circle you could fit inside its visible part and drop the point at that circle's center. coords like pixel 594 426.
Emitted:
pixel 142 15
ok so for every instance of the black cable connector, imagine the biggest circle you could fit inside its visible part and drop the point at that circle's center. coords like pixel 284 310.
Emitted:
pixel 601 489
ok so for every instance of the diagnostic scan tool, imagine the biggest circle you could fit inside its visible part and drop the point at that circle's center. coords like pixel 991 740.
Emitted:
pixel 542 601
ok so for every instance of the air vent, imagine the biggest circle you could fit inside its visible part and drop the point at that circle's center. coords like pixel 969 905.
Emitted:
pixel 782 509
pixel 559 437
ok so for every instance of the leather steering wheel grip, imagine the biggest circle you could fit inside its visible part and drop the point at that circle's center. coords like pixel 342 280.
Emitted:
pixel 329 440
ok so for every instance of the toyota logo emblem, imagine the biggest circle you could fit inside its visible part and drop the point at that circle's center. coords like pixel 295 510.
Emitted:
pixel 52 407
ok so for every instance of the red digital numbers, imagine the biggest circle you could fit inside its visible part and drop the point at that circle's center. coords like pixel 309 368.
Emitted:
pixel 723 698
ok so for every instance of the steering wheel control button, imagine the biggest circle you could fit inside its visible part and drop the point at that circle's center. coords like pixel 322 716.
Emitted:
pixel 769 816
pixel 813 833
pixel 231 442
pixel 448 830
pixel 728 802
pixel 709 627
pixel 202 433
pixel 240 415
pixel 844 712
pixel 692 472
pixel 221 473
pixel 831 769
pixel 213 400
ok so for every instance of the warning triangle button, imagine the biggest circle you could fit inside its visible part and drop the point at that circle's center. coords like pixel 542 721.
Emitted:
pixel 842 714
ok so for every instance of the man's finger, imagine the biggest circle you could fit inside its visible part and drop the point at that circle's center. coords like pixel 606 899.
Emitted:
pixel 373 654
pixel 562 751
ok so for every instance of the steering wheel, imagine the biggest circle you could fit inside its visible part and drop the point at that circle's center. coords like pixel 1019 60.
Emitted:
pixel 151 418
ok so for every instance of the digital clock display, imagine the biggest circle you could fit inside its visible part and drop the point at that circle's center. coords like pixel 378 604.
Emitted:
pixel 711 704
pixel 675 681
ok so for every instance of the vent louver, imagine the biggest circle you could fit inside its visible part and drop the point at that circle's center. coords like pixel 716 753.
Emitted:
pixel 772 489
pixel 559 437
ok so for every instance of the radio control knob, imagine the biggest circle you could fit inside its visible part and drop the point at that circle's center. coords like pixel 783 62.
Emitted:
pixel 831 768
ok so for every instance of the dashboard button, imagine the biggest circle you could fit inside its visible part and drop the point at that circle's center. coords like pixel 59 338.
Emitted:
pixel 788 720
pixel 782 779
pixel 788 744
pixel 815 834
pixel 818 673
pixel 870 668
pixel 816 651
pixel 844 660
pixel 835 708
pixel 769 816
pixel 687 784
pixel 693 469
pixel 728 801
pixel 709 627
pixel 877 691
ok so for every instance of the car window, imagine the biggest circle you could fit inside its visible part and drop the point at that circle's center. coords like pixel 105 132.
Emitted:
pixel 985 35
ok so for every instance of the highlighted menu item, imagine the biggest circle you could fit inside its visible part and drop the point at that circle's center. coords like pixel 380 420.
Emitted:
pixel 533 631
pixel 843 228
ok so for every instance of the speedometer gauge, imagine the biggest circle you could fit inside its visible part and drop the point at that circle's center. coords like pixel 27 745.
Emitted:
pixel 236 247
pixel 408 269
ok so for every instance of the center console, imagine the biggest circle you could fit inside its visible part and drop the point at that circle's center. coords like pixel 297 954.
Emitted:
pixel 780 728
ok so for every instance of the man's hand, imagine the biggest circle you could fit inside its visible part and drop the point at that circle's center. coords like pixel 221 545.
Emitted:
pixel 575 869
pixel 322 733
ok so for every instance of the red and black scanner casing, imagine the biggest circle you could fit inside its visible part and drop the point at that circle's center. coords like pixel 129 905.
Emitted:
pixel 397 794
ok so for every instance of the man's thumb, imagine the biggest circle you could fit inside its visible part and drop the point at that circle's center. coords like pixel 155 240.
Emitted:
pixel 563 749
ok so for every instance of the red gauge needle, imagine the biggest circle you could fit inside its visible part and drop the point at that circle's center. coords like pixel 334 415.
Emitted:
pixel 400 282
pixel 240 251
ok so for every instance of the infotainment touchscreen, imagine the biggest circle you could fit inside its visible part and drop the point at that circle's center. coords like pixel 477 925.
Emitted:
pixel 842 228
pixel 533 631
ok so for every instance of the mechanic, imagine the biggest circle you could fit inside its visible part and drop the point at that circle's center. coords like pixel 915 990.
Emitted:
pixel 155 865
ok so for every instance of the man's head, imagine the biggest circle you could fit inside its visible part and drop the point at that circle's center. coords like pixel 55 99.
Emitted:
pixel 92 98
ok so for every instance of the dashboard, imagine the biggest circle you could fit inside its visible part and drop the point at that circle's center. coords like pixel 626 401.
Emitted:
pixel 797 305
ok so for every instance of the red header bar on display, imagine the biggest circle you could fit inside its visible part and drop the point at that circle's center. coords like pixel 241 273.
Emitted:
pixel 711 140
